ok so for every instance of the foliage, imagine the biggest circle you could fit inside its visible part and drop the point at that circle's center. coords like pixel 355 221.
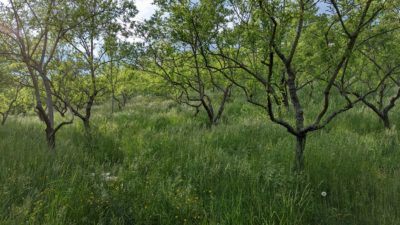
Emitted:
pixel 14 96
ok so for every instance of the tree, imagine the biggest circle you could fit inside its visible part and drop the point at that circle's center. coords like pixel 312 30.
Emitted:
pixel 118 53
pixel 31 32
pixel 377 61
pixel 178 46
pixel 267 37
pixel 119 80
pixel 89 47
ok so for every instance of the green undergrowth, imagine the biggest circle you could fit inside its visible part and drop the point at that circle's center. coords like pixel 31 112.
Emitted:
pixel 155 163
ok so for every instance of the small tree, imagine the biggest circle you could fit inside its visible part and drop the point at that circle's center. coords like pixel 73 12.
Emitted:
pixel 268 37
pixel 89 47
pixel 178 46
pixel 378 63
pixel 32 32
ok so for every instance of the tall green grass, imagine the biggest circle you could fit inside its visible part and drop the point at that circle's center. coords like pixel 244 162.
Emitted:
pixel 168 167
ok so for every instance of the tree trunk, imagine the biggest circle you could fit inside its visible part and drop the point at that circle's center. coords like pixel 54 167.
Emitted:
pixel 211 119
pixel 4 118
pixel 86 124
pixel 284 91
pixel 112 103
pixel 49 100
pixel 43 116
pixel 124 99
pixel 51 138
pixel 299 153
pixel 386 121
pixel 88 131
pixel 89 106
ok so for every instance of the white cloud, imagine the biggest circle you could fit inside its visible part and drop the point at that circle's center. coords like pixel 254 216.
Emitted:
pixel 146 9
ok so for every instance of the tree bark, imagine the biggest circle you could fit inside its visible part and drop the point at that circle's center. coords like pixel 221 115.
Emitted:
pixel 284 91
pixel 50 130
pixel 386 121
pixel 50 138
pixel 4 118
pixel 86 124
pixel 299 153
pixel 89 106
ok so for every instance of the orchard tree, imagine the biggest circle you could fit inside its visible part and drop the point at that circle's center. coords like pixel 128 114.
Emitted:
pixel 120 55
pixel 31 32
pixel 120 85
pixel 179 37
pixel 269 38
pixel 90 47
pixel 376 62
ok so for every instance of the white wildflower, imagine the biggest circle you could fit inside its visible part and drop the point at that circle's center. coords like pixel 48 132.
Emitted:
pixel 111 178
pixel 107 177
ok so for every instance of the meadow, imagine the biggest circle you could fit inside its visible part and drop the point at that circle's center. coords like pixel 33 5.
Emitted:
pixel 155 163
